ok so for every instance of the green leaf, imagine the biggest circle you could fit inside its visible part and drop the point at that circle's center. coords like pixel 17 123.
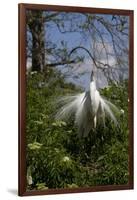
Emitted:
pixel 34 146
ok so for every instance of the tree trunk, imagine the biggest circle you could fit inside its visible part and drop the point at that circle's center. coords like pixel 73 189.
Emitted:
pixel 38 42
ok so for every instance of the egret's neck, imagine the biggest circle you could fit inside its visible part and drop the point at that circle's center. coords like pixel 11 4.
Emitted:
pixel 92 86
pixel 92 90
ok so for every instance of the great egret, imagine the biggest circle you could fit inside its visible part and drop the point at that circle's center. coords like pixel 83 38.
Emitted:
pixel 87 108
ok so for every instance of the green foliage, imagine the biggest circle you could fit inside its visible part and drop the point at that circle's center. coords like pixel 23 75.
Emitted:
pixel 56 157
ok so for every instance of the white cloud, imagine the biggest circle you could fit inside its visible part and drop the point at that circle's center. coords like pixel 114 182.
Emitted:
pixel 29 63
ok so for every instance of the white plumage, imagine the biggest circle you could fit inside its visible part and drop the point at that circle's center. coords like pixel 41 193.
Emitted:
pixel 87 108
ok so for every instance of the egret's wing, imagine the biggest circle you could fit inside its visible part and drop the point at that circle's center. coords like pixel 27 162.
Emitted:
pixel 109 109
pixel 83 116
pixel 70 106
pixel 95 107
pixel 112 106
pixel 87 108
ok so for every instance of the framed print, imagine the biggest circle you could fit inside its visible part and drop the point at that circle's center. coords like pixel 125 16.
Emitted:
pixel 75 99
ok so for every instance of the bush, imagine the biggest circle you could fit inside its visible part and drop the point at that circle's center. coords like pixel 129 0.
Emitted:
pixel 56 157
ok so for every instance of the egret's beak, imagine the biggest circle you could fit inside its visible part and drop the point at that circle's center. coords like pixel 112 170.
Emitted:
pixel 92 76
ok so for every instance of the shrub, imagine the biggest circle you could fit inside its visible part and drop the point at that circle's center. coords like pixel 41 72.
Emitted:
pixel 56 157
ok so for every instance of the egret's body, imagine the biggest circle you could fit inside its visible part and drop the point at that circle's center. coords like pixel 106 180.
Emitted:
pixel 87 107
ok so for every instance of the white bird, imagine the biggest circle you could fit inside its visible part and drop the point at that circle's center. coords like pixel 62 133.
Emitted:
pixel 87 108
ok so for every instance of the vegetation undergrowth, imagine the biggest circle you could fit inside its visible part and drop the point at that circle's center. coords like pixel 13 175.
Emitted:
pixel 56 157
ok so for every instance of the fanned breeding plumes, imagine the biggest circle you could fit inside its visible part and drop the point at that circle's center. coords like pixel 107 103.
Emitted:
pixel 87 108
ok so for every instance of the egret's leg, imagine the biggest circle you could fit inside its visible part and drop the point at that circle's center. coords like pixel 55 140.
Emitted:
pixel 95 121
